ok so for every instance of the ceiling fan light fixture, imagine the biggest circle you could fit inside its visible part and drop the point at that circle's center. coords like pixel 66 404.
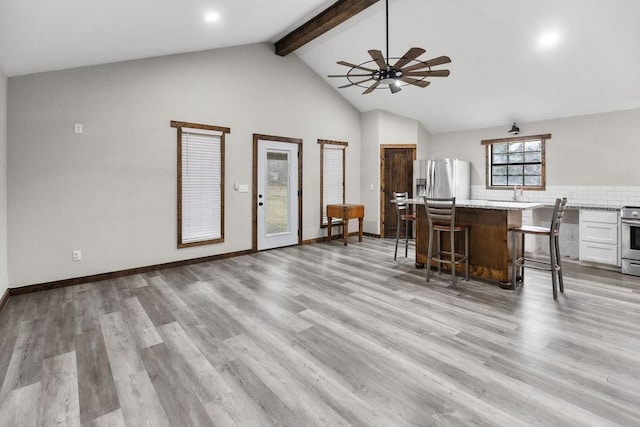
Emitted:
pixel 395 88
pixel 514 129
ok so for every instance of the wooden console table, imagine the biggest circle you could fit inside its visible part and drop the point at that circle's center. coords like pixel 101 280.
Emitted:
pixel 346 212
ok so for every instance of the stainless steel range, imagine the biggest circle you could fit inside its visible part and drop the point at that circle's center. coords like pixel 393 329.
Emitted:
pixel 630 219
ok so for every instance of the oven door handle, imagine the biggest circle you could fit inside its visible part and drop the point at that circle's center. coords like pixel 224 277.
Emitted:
pixel 631 221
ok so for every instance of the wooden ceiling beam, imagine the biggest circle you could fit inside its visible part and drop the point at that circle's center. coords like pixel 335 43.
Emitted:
pixel 330 18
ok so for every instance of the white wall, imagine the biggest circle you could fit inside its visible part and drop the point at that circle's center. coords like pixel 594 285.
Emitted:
pixel 381 128
pixel 593 150
pixel 370 171
pixel 111 191
pixel 3 184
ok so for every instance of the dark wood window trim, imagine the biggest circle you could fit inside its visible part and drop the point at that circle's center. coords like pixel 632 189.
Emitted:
pixel 488 143
pixel 322 143
pixel 223 131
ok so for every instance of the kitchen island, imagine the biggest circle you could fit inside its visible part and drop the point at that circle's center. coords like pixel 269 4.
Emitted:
pixel 490 247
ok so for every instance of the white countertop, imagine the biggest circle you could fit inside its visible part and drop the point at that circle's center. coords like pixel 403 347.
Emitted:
pixel 498 204
pixel 514 205
pixel 489 204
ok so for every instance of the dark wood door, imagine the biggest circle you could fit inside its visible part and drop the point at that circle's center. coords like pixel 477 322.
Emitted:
pixel 397 176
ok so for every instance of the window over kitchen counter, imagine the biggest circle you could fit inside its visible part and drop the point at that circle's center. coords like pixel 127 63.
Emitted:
pixel 516 161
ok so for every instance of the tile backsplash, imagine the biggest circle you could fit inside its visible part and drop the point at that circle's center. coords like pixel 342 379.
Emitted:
pixel 587 195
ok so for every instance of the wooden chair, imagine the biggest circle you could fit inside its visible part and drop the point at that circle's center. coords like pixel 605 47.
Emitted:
pixel 554 264
pixel 441 214
pixel 404 216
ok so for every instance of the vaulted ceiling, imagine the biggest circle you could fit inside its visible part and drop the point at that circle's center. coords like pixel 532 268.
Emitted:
pixel 499 71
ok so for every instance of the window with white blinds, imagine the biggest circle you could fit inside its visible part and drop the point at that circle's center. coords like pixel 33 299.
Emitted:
pixel 200 185
pixel 332 173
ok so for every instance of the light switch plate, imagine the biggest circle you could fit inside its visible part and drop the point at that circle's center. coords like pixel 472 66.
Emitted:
pixel 77 128
pixel 243 188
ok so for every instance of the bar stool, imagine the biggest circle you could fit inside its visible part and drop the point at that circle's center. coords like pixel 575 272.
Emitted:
pixel 441 214
pixel 404 215
pixel 554 264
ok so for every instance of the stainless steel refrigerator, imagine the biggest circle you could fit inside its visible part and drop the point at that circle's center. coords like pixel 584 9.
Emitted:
pixel 442 178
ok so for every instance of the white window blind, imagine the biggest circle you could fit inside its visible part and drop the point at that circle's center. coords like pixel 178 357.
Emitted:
pixel 201 185
pixel 332 178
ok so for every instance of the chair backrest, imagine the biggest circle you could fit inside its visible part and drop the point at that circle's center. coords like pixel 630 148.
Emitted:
pixel 401 201
pixel 440 211
pixel 558 214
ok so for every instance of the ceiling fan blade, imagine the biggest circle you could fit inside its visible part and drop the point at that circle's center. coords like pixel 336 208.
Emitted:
pixel 349 75
pixel 355 83
pixel 415 82
pixel 435 73
pixel 379 58
pixel 359 67
pixel 430 63
pixel 437 61
pixel 372 87
pixel 411 54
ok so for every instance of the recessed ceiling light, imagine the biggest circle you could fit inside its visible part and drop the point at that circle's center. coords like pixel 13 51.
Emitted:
pixel 212 17
pixel 548 39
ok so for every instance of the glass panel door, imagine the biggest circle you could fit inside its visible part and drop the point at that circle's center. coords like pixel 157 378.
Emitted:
pixel 277 198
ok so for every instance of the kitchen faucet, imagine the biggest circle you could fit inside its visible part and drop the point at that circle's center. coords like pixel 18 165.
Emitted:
pixel 515 192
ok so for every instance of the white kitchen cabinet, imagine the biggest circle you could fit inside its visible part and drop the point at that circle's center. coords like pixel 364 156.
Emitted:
pixel 599 236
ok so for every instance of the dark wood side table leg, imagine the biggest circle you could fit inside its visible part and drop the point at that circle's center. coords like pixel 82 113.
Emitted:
pixel 329 227
pixel 345 229
pixel 360 221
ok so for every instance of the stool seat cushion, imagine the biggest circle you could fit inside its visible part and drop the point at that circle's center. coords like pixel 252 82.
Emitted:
pixel 448 227
pixel 532 229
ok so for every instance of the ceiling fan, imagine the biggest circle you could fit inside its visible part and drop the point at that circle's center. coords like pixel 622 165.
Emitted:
pixel 407 70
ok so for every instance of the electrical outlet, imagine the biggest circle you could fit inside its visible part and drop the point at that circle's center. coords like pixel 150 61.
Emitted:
pixel 77 128
pixel 76 255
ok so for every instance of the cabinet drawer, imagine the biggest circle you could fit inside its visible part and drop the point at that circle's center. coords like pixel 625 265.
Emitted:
pixel 599 252
pixel 608 217
pixel 599 232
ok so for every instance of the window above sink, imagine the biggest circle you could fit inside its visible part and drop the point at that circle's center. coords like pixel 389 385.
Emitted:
pixel 518 161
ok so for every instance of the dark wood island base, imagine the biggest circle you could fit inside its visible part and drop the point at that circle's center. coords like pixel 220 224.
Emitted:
pixel 490 247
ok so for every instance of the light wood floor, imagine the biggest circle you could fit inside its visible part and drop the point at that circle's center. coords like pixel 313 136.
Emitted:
pixel 323 335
